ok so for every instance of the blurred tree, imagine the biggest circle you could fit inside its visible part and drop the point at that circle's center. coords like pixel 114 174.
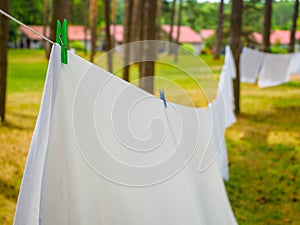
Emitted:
pixel 79 12
pixel 218 44
pixel 3 57
pixel 108 45
pixel 173 9
pixel 60 11
pixel 147 68
pixel 45 26
pixel 293 28
pixel 114 21
pixel 235 45
pixel 252 11
pixel 267 26
pixel 29 11
pixel 178 30
pixel 127 36
pixel 93 12
pixel 199 15
pixel 281 14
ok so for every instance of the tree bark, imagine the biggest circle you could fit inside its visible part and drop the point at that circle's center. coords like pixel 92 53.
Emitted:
pixel 45 26
pixel 114 22
pixel 172 25
pixel 86 25
pixel 147 73
pixel 60 10
pixel 178 30
pixel 218 44
pixel 127 36
pixel 108 44
pixel 235 45
pixel 93 12
pixel 293 28
pixel 267 26
pixel 140 31
pixel 3 57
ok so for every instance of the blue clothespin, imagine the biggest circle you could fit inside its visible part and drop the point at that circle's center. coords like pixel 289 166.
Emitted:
pixel 162 96
pixel 62 39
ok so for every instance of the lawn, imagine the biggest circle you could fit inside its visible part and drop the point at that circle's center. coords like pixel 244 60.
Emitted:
pixel 263 146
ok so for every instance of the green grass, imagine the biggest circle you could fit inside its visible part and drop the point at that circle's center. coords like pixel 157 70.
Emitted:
pixel 263 146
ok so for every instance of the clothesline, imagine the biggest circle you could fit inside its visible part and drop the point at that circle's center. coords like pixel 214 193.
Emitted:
pixel 24 25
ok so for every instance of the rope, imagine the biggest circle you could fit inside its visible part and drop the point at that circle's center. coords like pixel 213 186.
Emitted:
pixel 24 25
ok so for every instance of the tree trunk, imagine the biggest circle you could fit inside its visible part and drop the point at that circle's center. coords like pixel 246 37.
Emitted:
pixel 235 45
pixel 267 26
pixel 3 57
pixel 107 34
pixel 140 31
pixel 158 17
pixel 218 44
pixel 59 11
pixel 147 73
pixel 114 22
pixel 93 11
pixel 127 36
pixel 293 28
pixel 178 30
pixel 45 26
pixel 86 25
pixel 172 26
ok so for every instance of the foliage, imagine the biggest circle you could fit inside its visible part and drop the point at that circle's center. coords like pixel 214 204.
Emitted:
pixel 201 16
pixel 279 49
pixel 252 16
pixel 187 47
pixel 78 45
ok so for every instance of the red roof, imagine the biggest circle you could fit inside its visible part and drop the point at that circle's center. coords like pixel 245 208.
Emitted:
pixel 206 33
pixel 277 36
pixel 119 32
pixel 187 35
pixel 75 32
pixel 257 37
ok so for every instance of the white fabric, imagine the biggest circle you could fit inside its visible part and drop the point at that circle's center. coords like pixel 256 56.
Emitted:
pixel 295 64
pixel 250 64
pixel 85 165
pixel 275 70
pixel 223 109
pixel 29 196
pixel 229 65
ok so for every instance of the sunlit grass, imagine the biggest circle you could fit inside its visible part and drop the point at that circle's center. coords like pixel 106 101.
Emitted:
pixel 263 146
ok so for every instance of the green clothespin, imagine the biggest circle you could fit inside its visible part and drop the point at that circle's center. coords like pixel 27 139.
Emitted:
pixel 62 39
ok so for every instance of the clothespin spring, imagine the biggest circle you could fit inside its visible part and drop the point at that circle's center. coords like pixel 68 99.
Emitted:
pixel 162 96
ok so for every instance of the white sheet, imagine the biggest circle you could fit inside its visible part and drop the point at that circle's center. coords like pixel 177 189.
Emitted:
pixel 223 109
pixel 275 70
pixel 109 153
pixel 295 64
pixel 250 65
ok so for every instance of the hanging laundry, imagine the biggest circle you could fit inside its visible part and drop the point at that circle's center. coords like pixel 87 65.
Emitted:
pixel 223 109
pixel 275 70
pixel 295 64
pixel 106 152
pixel 250 64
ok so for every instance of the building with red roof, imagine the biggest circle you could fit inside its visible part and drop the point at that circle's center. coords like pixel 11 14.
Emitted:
pixel 279 37
pixel 29 39
pixel 187 35
pixel 207 33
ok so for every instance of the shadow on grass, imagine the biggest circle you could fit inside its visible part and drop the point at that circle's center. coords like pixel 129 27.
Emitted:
pixel 8 190
pixel 260 125
pixel 11 125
